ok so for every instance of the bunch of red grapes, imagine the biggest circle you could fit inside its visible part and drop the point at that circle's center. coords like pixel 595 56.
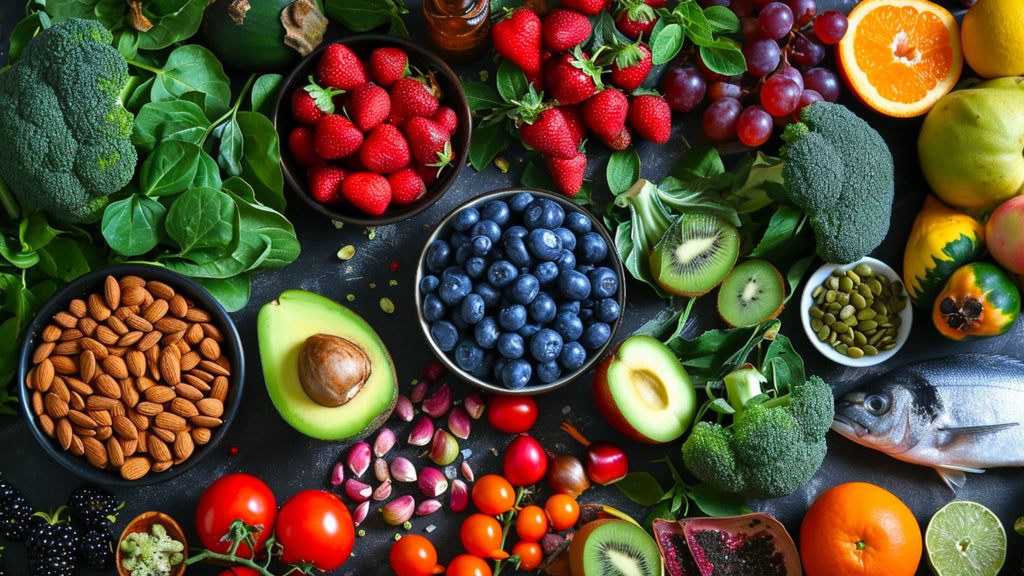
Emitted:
pixel 784 44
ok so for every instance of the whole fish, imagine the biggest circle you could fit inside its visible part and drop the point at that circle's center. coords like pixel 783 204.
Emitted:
pixel 962 413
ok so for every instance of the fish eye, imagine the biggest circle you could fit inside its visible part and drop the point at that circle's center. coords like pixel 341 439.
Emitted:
pixel 876 404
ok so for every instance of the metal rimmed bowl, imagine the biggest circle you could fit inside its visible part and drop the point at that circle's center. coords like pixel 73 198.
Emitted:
pixel 424 60
pixel 87 420
pixel 611 260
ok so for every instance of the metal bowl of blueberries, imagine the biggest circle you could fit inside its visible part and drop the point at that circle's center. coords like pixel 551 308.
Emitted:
pixel 519 291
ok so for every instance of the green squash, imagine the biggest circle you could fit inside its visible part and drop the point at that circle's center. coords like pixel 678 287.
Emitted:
pixel 263 35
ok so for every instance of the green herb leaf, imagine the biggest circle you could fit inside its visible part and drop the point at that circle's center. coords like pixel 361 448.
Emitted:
pixel 172 22
pixel 485 144
pixel 698 29
pixel 702 160
pixel 159 122
pixel 132 226
pixel 264 93
pixel 232 293
pixel 229 155
pixel 714 502
pixel 23 32
pixel 169 169
pixel 722 19
pixel 202 218
pixel 261 226
pixel 623 170
pixel 362 15
pixel 781 228
pixel 193 68
pixel 480 96
pixel 261 164
pixel 641 487
pixel 666 44
pixel 536 176
pixel 723 56
pixel 207 173
pixel 511 81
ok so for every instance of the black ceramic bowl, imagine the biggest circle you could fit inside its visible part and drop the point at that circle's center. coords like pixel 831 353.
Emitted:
pixel 453 97
pixel 93 283
pixel 444 230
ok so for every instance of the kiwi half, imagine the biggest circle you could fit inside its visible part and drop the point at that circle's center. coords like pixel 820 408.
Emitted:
pixel 694 254
pixel 752 293
pixel 613 547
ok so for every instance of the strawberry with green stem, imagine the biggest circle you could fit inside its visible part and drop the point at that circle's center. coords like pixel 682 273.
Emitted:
pixel 517 37
pixel 412 98
pixel 312 101
pixel 631 64
pixel 573 77
pixel 635 19
pixel 543 127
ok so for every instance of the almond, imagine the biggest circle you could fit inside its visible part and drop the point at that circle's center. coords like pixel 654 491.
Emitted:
pixel 142 383
pixel 87 365
pixel 205 421
pixel 135 362
pixel 118 326
pixel 136 322
pixel 170 367
pixel 37 403
pixel 162 466
pixel 219 390
pixel 124 428
pixel 87 326
pixel 197 382
pixel 60 389
pixel 131 280
pixel 83 432
pixel 213 332
pixel 160 394
pixel 118 351
pixel 128 447
pixel 155 311
pixel 135 467
pixel 77 448
pixel 47 425
pixel 201 436
pixel 95 452
pixel 81 419
pixel 69 348
pixel 115 455
pixel 209 348
pixel 158 449
pixel 51 333
pixel 64 434
pixel 169 324
pixel 163 434
pixel 54 406
pixel 143 441
pixel 98 402
pixel 194 334
pixel 98 309
pixel 77 402
pixel 182 407
pixel 183 347
pixel 64 365
pixel 78 386
pixel 171 421
pixel 132 296
pixel 130 338
pixel 197 315
pixel 129 395
pixel 172 338
pixel 98 349
pixel 149 408
pixel 115 366
pixel 177 306
pixel 189 360
pixel 188 391
pixel 214 368
pixel 42 376
pixel 102 417
pixel 104 432
pixel 183 445
pixel 43 352
pixel 65 319
pixel 148 340
pixel 107 386
pixel 106 335
pixel 210 407
pixel 141 421
pixel 71 334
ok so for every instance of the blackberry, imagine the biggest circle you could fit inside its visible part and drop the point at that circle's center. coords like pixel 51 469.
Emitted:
pixel 96 548
pixel 14 513
pixel 93 507
pixel 51 545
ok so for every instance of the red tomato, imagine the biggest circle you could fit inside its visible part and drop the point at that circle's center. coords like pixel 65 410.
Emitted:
pixel 563 511
pixel 414 555
pixel 315 526
pixel 493 494
pixel 481 536
pixel 234 496
pixel 512 414
pixel 525 462
pixel 239 571
pixel 530 555
pixel 531 523
pixel 468 565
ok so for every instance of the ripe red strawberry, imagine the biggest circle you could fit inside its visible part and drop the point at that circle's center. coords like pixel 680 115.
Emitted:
pixel 410 98
pixel 368 106
pixel 568 172
pixel 336 137
pixel 574 120
pixel 655 3
pixel 367 191
pixel 549 134
pixel 304 108
pixel 339 67
pixel 636 20
pixel 406 186
pixel 430 143
pixel 446 118
pixel 427 173
pixel 384 150
pixel 517 37
pixel 650 117
pixel 325 182
pixel 564 29
pixel 572 78
pixel 300 144
pixel 591 7
pixel 605 113
pixel 622 140
pixel 631 66
pixel 387 65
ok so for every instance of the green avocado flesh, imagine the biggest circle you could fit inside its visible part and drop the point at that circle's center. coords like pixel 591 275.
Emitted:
pixel 282 326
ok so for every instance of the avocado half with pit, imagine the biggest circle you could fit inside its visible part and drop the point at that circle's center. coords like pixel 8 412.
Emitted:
pixel 327 371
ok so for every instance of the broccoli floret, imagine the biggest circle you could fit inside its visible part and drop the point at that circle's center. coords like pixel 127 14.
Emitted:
pixel 773 445
pixel 64 133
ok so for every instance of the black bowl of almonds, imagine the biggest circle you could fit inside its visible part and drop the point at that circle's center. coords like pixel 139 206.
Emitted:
pixel 130 374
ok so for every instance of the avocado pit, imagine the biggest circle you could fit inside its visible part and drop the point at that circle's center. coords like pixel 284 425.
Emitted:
pixel 332 369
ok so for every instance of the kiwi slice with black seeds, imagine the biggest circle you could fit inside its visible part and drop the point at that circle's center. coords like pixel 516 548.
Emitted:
pixel 694 254
pixel 753 292
pixel 613 547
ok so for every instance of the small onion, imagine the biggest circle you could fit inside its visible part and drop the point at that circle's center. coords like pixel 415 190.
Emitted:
pixel 566 474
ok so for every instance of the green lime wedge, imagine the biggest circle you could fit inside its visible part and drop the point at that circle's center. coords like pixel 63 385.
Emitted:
pixel 965 539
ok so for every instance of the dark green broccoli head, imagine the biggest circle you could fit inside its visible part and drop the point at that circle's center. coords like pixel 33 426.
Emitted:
pixel 708 453
pixel 65 135
pixel 839 172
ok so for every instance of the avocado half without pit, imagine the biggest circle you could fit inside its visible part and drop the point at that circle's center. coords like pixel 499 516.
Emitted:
pixel 327 371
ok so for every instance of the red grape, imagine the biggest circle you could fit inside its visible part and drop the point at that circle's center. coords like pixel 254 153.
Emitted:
pixel 762 56
pixel 830 26
pixel 742 8
pixel 754 126
pixel 794 75
pixel 807 97
pixel 803 11
pixel 775 20
pixel 779 95
pixel 806 52
pixel 684 88
pixel 724 89
pixel 720 119
pixel 824 82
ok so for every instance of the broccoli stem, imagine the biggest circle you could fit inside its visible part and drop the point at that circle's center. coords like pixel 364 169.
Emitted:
pixel 10 203
pixel 230 113
pixel 742 384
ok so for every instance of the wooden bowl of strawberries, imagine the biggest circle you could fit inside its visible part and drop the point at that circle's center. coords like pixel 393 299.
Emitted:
pixel 373 129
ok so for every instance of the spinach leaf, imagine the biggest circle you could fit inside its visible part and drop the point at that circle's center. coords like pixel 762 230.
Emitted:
pixel 261 164
pixel 259 224
pixel 169 169
pixel 192 68
pixel 132 226
pixel 158 122
pixel 485 143
pixel 265 93
pixel 202 218
pixel 232 293
pixel 232 145
pixel 173 21
pixel 207 173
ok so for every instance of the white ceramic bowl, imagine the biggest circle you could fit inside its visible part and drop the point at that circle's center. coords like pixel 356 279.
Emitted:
pixel 807 301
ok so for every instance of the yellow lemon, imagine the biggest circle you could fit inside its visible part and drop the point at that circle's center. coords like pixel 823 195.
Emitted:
pixel 992 35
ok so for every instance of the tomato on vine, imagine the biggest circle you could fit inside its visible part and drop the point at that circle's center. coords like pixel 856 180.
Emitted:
pixel 512 414
pixel 315 526
pixel 563 511
pixel 530 555
pixel 493 494
pixel 239 571
pixel 531 523
pixel 468 565
pixel 235 496
pixel 414 555
pixel 481 536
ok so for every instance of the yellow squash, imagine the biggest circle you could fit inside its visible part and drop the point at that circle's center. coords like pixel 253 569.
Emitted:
pixel 941 240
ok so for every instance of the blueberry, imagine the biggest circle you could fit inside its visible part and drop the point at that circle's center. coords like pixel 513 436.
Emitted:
pixel 516 252
pixel 585 268
pixel 481 245
pixel 591 247
pixel 516 231
pixel 595 335
pixel 463 253
pixel 476 267
pixel 433 308
pixel 455 285
pixel 486 367
pixel 543 308
pixel 429 283
pixel 490 294
pixel 607 310
pixel 586 314
pixel 569 325
pixel 512 317
pixel 516 374
pixel 573 356
pixel 465 219
pixel 520 201
pixel 468 355
pixel 566 261
pixel 546 345
pixel 501 273
pixel 578 222
pixel 499 366
pixel 525 288
pixel 459 323
pixel 546 272
pixel 488 228
pixel 603 282
pixel 543 213
pixel 568 238
pixel 544 244
pixel 458 239
pixel 548 372
pixel 471 309
pixel 573 285
pixel 510 345
pixel 572 306
pixel 439 254
pixel 497 211
pixel 486 332
pixel 528 330
pixel 445 334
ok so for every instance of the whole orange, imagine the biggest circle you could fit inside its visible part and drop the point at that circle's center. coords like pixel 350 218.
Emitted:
pixel 859 529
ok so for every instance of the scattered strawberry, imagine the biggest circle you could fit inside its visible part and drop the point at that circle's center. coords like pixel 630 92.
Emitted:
pixel 368 106
pixel 387 65
pixel 636 20
pixel 564 29
pixel 336 137
pixel 410 98
pixel 429 142
pixel 574 120
pixel 605 114
pixel 631 66
pixel 622 140
pixel 325 182
pixel 651 117
pixel 300 144
pixel 591 7
pixel 568 172
pixel 367 191
pixel 573 78
pixel 406 186
pixel 447 119
pixel 517 37
pixel 339 67
pixel 384 150
pixel 549 134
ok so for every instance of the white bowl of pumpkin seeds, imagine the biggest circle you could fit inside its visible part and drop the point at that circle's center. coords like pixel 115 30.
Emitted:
pixel 856 314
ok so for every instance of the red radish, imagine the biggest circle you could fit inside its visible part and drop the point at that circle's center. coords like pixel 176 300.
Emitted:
pixel 606 462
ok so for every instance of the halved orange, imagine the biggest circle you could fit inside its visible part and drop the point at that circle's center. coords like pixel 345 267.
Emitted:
pixel 900 56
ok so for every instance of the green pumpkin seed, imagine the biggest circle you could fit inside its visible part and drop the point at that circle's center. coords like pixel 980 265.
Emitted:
pixel 854 278
pixel 858 301
pixel 830 296
pixel 860 339
pixel 868 325
pixel 851 321
pixel 875 285
pixel 840 328
pixel 816 324
pixel 846 284
pixel 854 352
pixel 818 291
pixel 816 313
pixel 823 333
pixel 842 349
pixel 829 319
pixel 870 350
pixel 863 270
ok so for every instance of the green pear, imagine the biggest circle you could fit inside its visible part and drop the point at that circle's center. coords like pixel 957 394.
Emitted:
pixel 971 145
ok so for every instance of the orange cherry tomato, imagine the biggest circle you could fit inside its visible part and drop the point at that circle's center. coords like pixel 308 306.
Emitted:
pixel 563 511
pixel 481 536
pixel 530 554
pixel 493 494
pixel 531 523
pixel 414 555
pixel 468 565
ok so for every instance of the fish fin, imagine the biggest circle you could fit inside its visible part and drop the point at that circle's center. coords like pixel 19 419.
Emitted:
pixel 948 436
pixel 955 476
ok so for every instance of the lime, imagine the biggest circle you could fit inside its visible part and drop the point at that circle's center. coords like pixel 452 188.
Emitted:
pixel 965 539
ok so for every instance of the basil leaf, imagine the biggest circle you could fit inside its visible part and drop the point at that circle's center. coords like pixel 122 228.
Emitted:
pixel 229 155
pixel 667 44
pixel 480 96
pixel 641 487
pixel 724 57
pixel 12 252
pixel 486 142
pixel 511 81
pixel 202 218
pixel 261 163
pixel 698 29
pixel 623 170
pixel 714 502
pixel 68 258
pixel 232 293
pixel 169 169
pixel 158 122
pixel 781 227
pixel 132 226
pixel 265 92
pixel 193 68
pixel 722 19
